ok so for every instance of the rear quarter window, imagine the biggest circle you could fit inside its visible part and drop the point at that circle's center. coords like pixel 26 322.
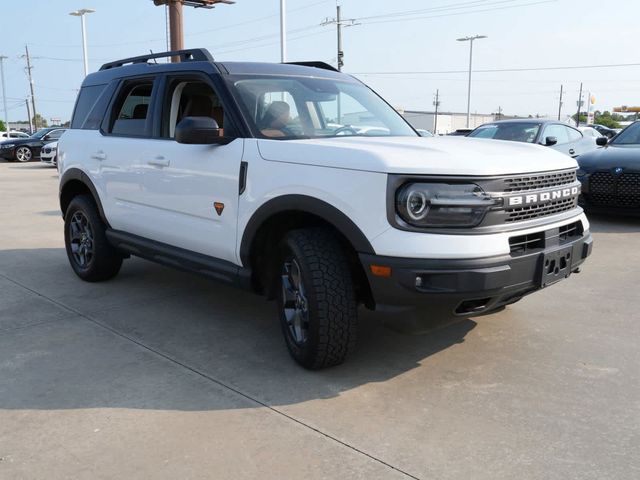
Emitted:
pixel 87 99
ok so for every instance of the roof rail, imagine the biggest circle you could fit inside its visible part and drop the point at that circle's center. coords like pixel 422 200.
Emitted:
pixel 316 64
pixel 195 54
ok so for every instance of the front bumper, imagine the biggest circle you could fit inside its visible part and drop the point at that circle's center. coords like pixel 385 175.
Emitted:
pixel 473 286
pixel 7 153
pixel 48 158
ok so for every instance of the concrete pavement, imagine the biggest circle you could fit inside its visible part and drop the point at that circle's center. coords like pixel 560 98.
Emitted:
pixel 161 374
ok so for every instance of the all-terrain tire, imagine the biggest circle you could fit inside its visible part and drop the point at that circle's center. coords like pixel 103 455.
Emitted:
pixel 91 256
pixel 328 293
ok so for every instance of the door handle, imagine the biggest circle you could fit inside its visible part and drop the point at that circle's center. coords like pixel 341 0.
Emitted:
pixel 100 155
pixel 159 161
pixel 572 151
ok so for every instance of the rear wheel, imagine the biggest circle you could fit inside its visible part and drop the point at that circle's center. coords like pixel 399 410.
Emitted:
pixel 24 154
pixel 316 303
pixel 91 256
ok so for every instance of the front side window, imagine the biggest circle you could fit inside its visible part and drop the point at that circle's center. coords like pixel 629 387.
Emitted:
pixel 300 107
pixel 514 132
pixel 629 136
pixel 54 135
pixel 129 116
pixel 191 98
pixel 560 132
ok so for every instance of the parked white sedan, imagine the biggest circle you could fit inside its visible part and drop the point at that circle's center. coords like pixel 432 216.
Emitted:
pixel 49 154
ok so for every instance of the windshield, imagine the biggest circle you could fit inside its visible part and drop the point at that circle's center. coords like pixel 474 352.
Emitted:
pixel 297 107
pixel 629 136
pixel 40 133
pixel 515 132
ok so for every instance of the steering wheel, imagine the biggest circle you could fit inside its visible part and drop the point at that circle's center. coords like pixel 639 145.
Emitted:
pixel 340 130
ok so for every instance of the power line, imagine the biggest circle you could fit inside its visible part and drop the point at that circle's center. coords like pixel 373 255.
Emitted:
pixel 364 22
pixel 496 70
pixel 455 6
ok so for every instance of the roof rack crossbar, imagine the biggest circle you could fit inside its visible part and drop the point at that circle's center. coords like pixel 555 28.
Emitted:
pixel 316 64
pixel 195 54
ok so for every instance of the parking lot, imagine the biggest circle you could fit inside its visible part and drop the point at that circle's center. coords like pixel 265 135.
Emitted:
pixel 162 374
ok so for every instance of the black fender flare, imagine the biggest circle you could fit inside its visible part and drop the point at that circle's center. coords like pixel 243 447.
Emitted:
pixel 304 204
pixel 75 174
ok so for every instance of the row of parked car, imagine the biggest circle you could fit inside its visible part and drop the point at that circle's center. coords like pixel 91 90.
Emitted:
pixel 609 159
pixel 21 147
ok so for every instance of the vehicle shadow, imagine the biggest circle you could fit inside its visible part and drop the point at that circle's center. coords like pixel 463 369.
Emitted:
pixel 156 338
pixel 612 223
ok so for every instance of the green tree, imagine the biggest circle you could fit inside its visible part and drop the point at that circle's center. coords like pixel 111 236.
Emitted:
pixel 583 118
pixel 3 127
pixel 607 120
pixel 40 121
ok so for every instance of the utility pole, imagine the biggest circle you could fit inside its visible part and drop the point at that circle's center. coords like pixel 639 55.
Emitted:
pixel 4 94
pixel 26 102
pixel 579 106
pixel 470 40
pixel 560 103
pixel 175 18
pixel 339 23
pixel 283 31
pixel 499 112
pixel 33 97
pixel 436 103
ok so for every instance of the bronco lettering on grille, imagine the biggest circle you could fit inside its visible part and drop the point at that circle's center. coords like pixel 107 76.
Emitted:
pixel 543 197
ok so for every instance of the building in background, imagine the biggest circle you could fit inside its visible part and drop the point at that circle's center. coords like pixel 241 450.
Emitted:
pixel 447 121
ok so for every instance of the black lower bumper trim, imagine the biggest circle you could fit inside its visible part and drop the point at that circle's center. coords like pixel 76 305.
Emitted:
pixel 471 286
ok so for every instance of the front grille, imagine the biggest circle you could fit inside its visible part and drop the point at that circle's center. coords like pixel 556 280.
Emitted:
pixel 536 242
pixel 526 243
pixel 536 211
pixel 607 189
pixel 567 233
pixel 538 181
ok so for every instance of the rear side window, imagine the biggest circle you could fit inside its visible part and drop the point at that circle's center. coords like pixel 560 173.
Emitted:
pixel 574 135
pixel 131 110
pixel 86 100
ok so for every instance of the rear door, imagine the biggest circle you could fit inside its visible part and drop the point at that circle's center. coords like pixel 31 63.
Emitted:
pixel 120 155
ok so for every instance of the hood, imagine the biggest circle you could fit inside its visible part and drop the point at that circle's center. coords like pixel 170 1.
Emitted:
pixel 611 156
pixel 18 141
pixel 418 155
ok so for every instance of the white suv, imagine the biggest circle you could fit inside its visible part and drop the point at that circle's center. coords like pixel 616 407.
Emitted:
pixel 260 175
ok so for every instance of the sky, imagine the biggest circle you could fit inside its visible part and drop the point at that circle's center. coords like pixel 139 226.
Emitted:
pixel 405 50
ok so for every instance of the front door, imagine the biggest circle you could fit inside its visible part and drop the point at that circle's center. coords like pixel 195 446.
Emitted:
pixel 191 191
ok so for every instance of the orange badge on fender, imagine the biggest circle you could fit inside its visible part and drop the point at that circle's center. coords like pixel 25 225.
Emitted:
pixel 219 207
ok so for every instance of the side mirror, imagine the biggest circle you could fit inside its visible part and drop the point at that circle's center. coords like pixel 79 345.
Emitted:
pixel 198 130
pixel 549 141
pixel 602 141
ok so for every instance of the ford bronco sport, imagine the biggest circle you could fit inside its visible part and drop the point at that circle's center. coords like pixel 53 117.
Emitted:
pixel 300 183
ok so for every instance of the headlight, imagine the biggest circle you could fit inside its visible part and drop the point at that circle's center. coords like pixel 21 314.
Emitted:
pixel 443 204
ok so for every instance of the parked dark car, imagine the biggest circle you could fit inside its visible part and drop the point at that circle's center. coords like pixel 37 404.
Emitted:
pixel 610 176
pixel 461 132
pixel 606 131
pixel 559 136
pixel 27 149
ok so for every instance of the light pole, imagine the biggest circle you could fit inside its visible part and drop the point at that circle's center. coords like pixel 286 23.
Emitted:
pixel 470 40
pixel 81 13
pixel 4 94
pixel 283 31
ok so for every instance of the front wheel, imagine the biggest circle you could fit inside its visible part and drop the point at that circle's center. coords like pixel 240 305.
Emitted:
pixel 316 304
pixel 24 154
